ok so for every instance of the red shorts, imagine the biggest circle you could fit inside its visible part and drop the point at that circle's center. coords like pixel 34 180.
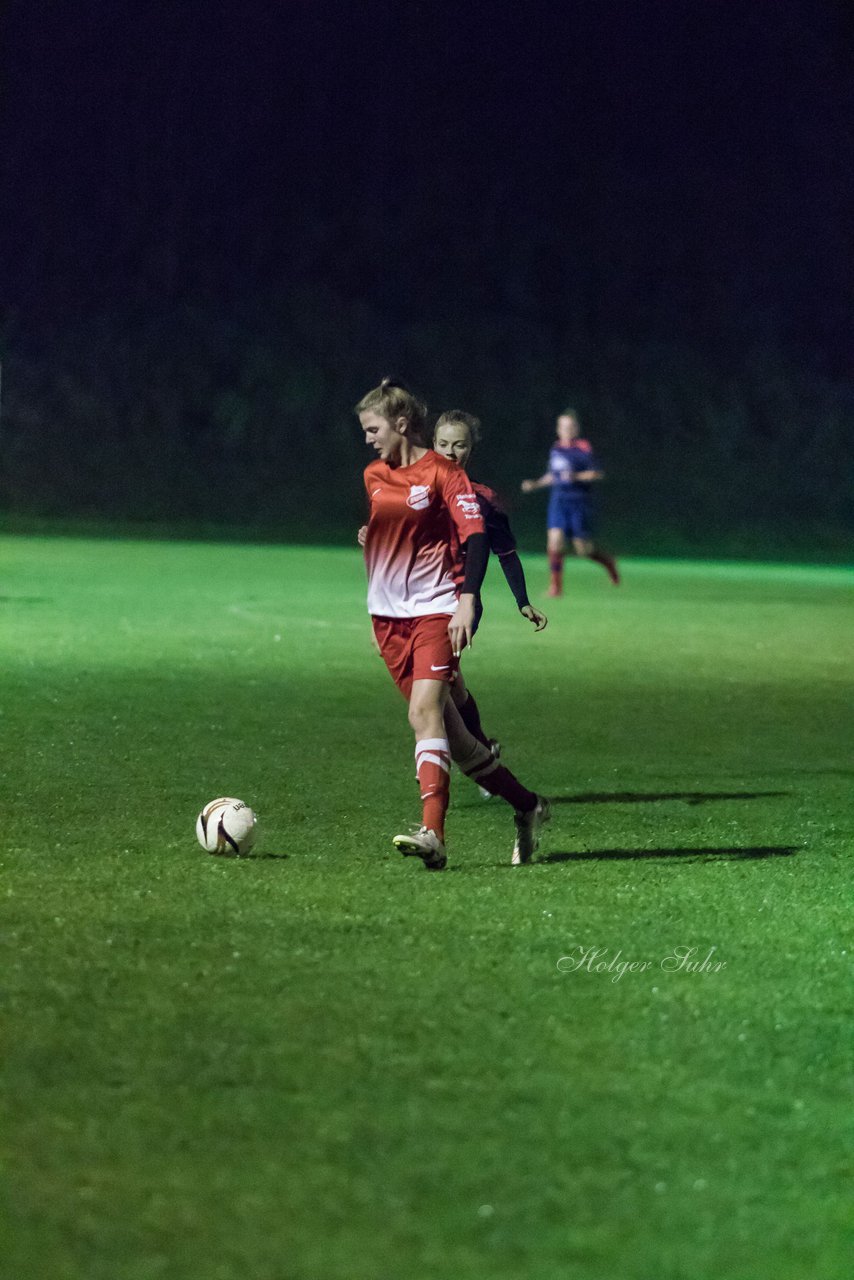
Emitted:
pixel 416 649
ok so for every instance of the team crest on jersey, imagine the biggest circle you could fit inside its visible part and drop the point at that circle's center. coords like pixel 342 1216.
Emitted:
pixel 419 496
pixel 469 503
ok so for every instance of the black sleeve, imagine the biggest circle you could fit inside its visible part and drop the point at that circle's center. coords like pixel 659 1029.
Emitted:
pixel 501 539
pixel 515 575
pixel 477 555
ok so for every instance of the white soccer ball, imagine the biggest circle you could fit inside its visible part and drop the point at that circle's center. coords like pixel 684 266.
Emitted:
pixel 226 826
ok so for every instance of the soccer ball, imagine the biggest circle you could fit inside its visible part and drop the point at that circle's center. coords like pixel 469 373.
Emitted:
pixel 226 826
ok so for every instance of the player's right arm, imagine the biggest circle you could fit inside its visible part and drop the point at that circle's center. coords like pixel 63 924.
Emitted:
pixel 544 482
pixel 369 477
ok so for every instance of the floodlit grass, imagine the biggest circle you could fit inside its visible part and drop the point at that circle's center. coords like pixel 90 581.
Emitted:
pixel 322 1062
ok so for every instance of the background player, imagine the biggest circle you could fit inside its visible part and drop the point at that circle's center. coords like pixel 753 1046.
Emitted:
pixel 421 622
pixel 573 469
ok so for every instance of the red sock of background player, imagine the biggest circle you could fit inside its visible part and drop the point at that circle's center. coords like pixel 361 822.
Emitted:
pixel 609 562
pixel 433 766
pixel 556 568
pixel 496 779
pixel 470 716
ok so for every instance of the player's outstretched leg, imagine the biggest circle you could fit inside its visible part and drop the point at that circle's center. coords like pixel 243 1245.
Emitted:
pixel 609 564
pixel 495 751
pixel 477 763
pixel 470 716
pixel 528 827
pixel 532 812
pixel 464 700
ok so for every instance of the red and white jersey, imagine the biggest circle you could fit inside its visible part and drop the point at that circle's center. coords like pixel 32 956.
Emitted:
pixel 411 549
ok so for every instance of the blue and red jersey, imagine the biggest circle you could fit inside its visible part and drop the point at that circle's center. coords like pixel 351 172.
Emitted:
pixel 567 459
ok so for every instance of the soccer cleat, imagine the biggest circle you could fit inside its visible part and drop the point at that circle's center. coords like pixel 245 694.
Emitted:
pixel 555 589
pixel 423 843
pixel 528 831
pixel 495 750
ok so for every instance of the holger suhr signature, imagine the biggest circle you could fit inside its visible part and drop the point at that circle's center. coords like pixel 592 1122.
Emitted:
pixel 681 959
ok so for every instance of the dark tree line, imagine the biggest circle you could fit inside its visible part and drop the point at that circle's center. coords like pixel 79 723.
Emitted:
pixel 185 414
pixel 222 224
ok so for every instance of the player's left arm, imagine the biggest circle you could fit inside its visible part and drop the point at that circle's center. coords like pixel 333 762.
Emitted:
pixel 502 542
pixel 585 463
pixel 515 575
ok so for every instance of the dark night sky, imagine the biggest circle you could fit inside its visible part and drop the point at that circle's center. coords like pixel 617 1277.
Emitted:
pixel 666 158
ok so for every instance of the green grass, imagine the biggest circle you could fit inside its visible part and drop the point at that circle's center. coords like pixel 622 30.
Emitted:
pixel 323 1063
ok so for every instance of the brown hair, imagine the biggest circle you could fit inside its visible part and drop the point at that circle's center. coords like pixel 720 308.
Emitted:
pixel 392 400
pixel 464 419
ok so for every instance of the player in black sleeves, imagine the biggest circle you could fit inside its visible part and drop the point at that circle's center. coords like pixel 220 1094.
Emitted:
pixel 454 437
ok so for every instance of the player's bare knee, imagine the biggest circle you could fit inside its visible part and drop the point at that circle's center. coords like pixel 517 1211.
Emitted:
pixel 426 707
pixel 417 719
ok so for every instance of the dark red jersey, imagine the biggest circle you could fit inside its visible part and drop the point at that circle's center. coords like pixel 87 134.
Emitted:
pixel 500 536
pixel 496 523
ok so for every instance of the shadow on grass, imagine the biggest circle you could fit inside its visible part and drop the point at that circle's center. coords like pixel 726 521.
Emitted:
pixel 648 797
pixel 684 855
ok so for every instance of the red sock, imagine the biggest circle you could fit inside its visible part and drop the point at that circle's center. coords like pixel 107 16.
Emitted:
pixel 609 563
pixel 433 766
pixel 470 716
pixel 556 569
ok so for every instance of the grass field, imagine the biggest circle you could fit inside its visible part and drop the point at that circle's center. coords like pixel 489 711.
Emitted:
pixel 323 1063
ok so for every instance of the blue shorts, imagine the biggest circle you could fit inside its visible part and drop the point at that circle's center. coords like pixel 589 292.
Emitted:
pixel 574 516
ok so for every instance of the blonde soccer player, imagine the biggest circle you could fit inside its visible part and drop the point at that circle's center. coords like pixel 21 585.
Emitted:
pixel 422 509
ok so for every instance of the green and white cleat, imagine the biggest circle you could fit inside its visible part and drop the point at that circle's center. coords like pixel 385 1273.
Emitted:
pixel 422 843
pixel 528 831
